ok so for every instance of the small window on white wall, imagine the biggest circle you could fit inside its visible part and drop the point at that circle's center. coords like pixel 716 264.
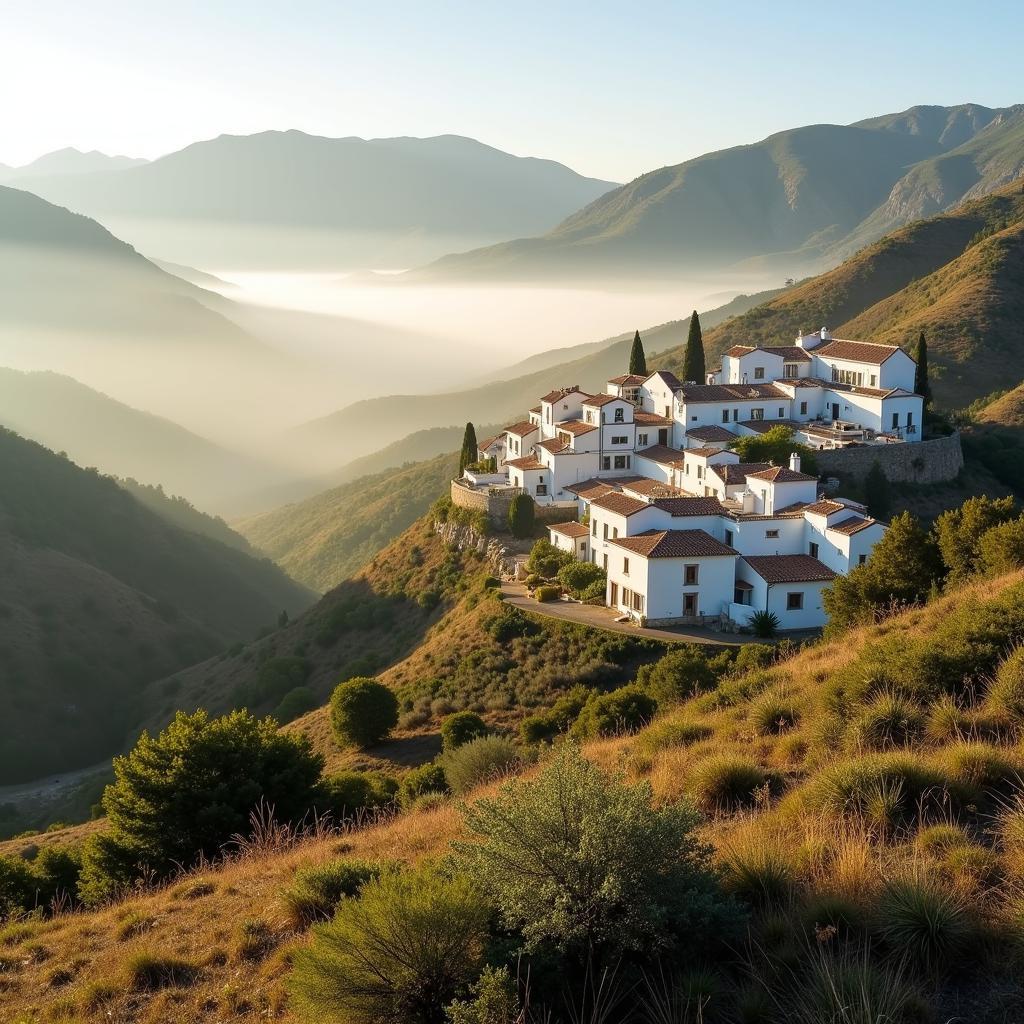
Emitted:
pixel 771 534
pixel 794 602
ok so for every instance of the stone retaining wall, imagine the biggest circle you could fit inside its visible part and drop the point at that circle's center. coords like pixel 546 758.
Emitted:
pixel 926 462
pixel 496 506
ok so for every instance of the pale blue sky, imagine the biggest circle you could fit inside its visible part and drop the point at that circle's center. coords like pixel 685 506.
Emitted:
pixel 612 89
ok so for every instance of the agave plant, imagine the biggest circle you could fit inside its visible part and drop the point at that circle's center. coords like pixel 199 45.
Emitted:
pixel 764 623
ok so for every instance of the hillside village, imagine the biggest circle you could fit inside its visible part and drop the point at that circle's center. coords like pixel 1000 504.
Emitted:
pixel 685 532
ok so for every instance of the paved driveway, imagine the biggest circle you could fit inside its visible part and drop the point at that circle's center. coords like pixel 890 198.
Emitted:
pixel 604 618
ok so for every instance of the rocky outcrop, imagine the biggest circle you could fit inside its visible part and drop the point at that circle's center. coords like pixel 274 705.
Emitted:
pixel 500 554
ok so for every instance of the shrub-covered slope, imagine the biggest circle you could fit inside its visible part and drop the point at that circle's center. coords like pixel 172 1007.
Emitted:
pixel 860 799
pixel 98 596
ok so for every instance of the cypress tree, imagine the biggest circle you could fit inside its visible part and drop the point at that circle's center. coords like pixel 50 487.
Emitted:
pixel 693 360
pixel 637 359
pixel 468 455
pixel 921 384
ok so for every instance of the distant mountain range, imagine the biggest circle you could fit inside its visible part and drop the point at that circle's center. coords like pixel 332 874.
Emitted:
pixel 794 201
pixel 99 595
pixel 68 161
pixel 321 201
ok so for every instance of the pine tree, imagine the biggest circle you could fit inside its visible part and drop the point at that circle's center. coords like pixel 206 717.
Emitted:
pixel 637 359
pixel 877 493
pixel 921 385
pixel 468 455
pixel 693 360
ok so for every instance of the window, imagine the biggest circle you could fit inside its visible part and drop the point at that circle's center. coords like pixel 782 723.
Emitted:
pixel 604 563
pixel 605 531
pixel 693 419
pixel 735 415
pixel 910 419
pixel 606 462
pixel 794 602
pixel 790 370
pixel 621 462
pixel 620 439
pixel 689 604
pixel 700 472
pixel 874 380
pixel 812 549
pixel 771 534
pixel 542 489
pixel 803 408
pixel 641 439
pixel 593 527
pixel 758 373
pixel 861 559
pixel 638 603
pixel 590 416
pixel 725 415
pixel 627 596
pixel 728 537
pixel 690 575
pixel 782 413
pixel 625 567
pixel 854 377
pixel 615 533
pixel 895 421
pixel 757 414
pixel 620 415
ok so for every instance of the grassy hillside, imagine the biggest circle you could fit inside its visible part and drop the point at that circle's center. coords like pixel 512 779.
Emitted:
pixel 957 277
pixel 801 194
pixel 96 430
pixel 98 597
pixel 324 540
pixel 846 813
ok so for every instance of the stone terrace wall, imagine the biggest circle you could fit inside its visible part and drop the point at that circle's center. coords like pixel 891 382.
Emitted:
pixel 497 505
pixel 926 462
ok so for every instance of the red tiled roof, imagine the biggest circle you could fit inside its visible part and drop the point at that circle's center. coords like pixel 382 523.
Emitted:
pixel 704 453
pixel 596 486
pixel 521 429
pixel 554 396
pixel 570 529
pixel 575 427
pixel 781 475
pixel 857 351
pixel 621 504
pixel 650 419
pixel 654 488
pixel 690 506
pixel 790 353
pixel 739 350
pixel 553 445
pixel 663 455
pixel 482 446
pixel 599 400
pixel 698 393
pixel 789 568
pixel 825 507
pixel 628 380
pixel 731 473
pixel 711 433
pixel 528 462
pixel 852 525
pixel 763 426
pixel 675 544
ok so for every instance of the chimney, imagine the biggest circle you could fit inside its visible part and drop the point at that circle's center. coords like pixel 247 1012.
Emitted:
pixel 826 335
pixel 794 462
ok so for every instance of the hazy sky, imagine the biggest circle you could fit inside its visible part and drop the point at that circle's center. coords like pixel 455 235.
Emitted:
pixel 612 89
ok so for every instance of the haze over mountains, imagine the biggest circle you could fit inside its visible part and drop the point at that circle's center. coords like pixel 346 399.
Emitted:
pixel 796 200
pixel 309 201
pixel 68 161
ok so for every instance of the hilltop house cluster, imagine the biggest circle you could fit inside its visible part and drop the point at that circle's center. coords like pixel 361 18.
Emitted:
pixel 685 531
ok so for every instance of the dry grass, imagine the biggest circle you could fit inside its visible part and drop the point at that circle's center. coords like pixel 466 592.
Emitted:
pixel 830 868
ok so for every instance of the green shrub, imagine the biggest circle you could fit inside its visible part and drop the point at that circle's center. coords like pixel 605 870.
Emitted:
pixel 147 972
pixel 759 872
pixel 576 577
pixel 481 760
pixel 548 593
pixel 186 792
pixel 938 839
pixel 920 919
pixel 294 704
pixel 983 769
pixel 345 794
pixel 363 712
pixel 773 712
pixel 577 859
pixel 508 624
pixel 666 735
pixel 727 782
pixel 533 579
pixel 680 674
pixel 754 656
pixel 315 892
pixel 402 951
pixel 890 720
pixel 1006 694
pixel 275 678
pixel 417 782
pixel 460 728
pixel 494 1001
pixel 547 725
pixel 624 710
pixel 594 593
pixel 546 560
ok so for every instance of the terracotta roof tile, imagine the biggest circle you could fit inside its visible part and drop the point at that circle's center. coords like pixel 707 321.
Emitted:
pixel 482 446
pixel 521 429
pixel 698 393
pixel 781 475
pixel 852 525
pixel 668 377
pixel 739 350
pixel 650 419
pixel 621 504
pixel 628 380
pixel 825 507
pixel 690 506
pixel 553 445
pixel 598 400
pixel 663 455
pixel 554 396
pixel 595 486
pixel 575 427
pixel 675 544
pixel 789 568
pixel 528 462
pixel 704 453
pixel 648 488
pixel 733 473
pixel 857 351
pixel 711 433
pixel 570 529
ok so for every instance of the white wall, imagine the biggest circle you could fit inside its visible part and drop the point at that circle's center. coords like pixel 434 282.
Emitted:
pixel 656 397
pixel 774 599
pixel 706 414
pixel 750 536
pixel 661 581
